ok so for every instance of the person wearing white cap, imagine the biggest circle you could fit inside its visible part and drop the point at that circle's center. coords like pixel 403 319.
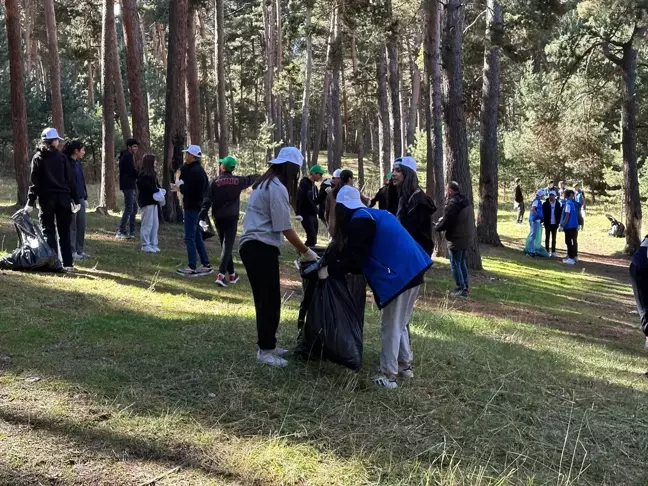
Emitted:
pixel 53 183
pixel 193 184
pixel 536 217
pixel 267 221
pixel 373 242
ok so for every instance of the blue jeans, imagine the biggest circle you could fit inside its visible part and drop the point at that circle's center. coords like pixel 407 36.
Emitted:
pixel 459 268
pixel 535 227
pixel 130 211
pixel 193 239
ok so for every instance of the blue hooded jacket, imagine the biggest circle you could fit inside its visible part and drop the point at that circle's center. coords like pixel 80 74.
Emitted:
pixel 395 258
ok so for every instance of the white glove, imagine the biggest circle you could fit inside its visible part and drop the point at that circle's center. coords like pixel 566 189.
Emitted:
pixel 299 218
pixel 328 190
pixel 179 182
pixel 580 228
pixel 560 229
pixel 75 208
pixel 204 225
pixel 646 344
pixel 28 208
pixel 309 256
pixel 322 273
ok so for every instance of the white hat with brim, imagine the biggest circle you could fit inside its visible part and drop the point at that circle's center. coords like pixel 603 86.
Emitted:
pixel 540 193
pixel 290 155
pixel 194 150
pixel 349 197
pixel 50 134
pixel 337 173
pixel 409 162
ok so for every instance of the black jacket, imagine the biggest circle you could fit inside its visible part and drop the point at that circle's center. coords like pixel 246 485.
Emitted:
pixel 195 187
pixel 456 223
pixel 52 180
pixel 546 212
pixel 519 197
pixel 127 171
pixel 386 198
pixel 147 185
pixel 306 198
pixel 224 195
pixel 79 178
pixel 416 217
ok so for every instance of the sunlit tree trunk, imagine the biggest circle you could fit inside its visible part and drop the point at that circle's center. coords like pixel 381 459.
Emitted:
pixel 120 97
pixel 384 128
pixel 308 68
pixel 223 130
pixel 335 125
pixel 107 198
pixel 319 122
pixel 394 83
pixel 193 92
pixel 55 65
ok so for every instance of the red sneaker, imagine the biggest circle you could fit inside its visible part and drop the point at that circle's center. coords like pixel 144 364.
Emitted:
pixel 234 278
pixel 220 280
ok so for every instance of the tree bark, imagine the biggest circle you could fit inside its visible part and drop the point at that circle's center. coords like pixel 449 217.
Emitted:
pixel 319 123
pixel 120 97
pixel 394 82
pixel 135 76
pixel 91 94
pixel 175 120
pixel 223 145
pixel 55 65
pixel 308 68
pixel 384 129
pixel 488 145
pixel 18 104
pixel 359 121
pixel 107 198
pixel 456 141
pixel 193 93
pixel 335 125
pixel 416 93
pixel 278 105
pixel 29 28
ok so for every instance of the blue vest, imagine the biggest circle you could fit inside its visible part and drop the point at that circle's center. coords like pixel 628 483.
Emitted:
pixel 395 258
pixel 538 216
pixel 580 195
pixel 573 214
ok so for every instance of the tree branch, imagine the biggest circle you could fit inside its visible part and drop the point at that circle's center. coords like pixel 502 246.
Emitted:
pixel 611 57
pixel 475 21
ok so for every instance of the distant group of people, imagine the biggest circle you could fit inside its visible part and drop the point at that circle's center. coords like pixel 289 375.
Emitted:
pixel 557 209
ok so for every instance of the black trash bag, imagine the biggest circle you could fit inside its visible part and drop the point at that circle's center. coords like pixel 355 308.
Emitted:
pixel 333 329
pixel 617 229
pixel 209 232
pixel 308 272
pixel 33 252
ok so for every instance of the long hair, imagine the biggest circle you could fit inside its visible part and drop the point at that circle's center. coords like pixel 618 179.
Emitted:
pixel 408 187
pixel 342 217
pixel 287 173
pixel 71 146
pixel 148 166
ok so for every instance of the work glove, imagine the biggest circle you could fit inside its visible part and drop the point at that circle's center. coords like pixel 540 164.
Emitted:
pixel 28 208
pixel 75 208
pixel 580 228
pixel 322 273
pixel 328 190
pixel 299 218
pixel 179 182
pixel 309 256
pixel 203 225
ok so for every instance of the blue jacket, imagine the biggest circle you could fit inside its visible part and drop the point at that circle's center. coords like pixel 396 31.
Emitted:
pixel 395 258
pixel 79 179
pixel 573 214
pixel 538 216
pixel 579 199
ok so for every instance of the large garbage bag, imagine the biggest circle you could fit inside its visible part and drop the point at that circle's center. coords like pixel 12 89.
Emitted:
pixel 333 329
pixel 539 249
pixel 309 276
pixel 33 252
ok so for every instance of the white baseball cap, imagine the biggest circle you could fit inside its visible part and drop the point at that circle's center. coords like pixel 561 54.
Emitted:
pixel 407 161
pixel 289 154
pixel 350 197
pixel 337 173
pixel 50 134
pixel 540 192
pixel 194 150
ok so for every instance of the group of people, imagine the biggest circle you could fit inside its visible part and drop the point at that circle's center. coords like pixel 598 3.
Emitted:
pixel 557 209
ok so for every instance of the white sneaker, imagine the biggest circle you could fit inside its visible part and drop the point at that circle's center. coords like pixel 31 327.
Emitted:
pixel 552 255
pixel 281 352
pixel 156 249
pixel 76 256
pixel 271 358
pixel 385 382
pixel 406 372
pixel 148 249
pixel 569 261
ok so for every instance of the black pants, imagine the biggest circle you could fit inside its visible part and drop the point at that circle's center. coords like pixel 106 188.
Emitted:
pixel 311 227
pixel 640 289
pixel 262 265
pixel 571 240
pixel 551 230
pixel 58 217
pixel 226 229
pixel 520 213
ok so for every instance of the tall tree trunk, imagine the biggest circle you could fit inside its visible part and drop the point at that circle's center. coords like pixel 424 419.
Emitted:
pixel 175 121
pixel 29 28
pixel 488 146
pixel 278 106
pixel 384 128
pixel 120 97
pixel 335 125
pixel 55 65
pixel 319 123
pixel 416 93
pixel 135 73
pixel 107 197
pixel 308 68
pixel 359 118
pixel 18 104
pixel 193 93
pixel 394 82
pixel 456 141
pixel 91 93
pixel 223 145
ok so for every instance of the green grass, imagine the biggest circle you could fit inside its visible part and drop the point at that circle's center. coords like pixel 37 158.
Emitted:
pixel 535 380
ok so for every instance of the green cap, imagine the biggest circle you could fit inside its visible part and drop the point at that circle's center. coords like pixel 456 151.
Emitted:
pixel 229 162
pixel 317 169
pixel 389 174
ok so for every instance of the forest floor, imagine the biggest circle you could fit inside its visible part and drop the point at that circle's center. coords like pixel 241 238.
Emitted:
pixel 125 374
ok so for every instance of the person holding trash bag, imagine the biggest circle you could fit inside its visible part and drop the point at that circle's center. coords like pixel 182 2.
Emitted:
pixel 53 183
pixel 374 242
pixel 148 187
pixel 306 208
pixel 639 278
pixel 267 221
pixel 551 210
pixel 224 199
pixel 536 217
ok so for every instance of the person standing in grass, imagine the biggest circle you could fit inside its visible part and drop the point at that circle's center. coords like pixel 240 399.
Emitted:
pixel 551 210
pixel 373 242
pixel 579 199
pixel 306 209
pixel 639 279
pixel 193 185
pixel 267 221
pixel 128 184
pixel 519 201
pixel 562 187
pixel 52 182
pixel 459 233
pixel 147 187
pixel 569 224
pixel 536 217
pixel 224 199
pixel 74 150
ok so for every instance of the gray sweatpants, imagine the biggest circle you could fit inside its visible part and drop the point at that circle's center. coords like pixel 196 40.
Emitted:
pixel 150 226
pixel 395 332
